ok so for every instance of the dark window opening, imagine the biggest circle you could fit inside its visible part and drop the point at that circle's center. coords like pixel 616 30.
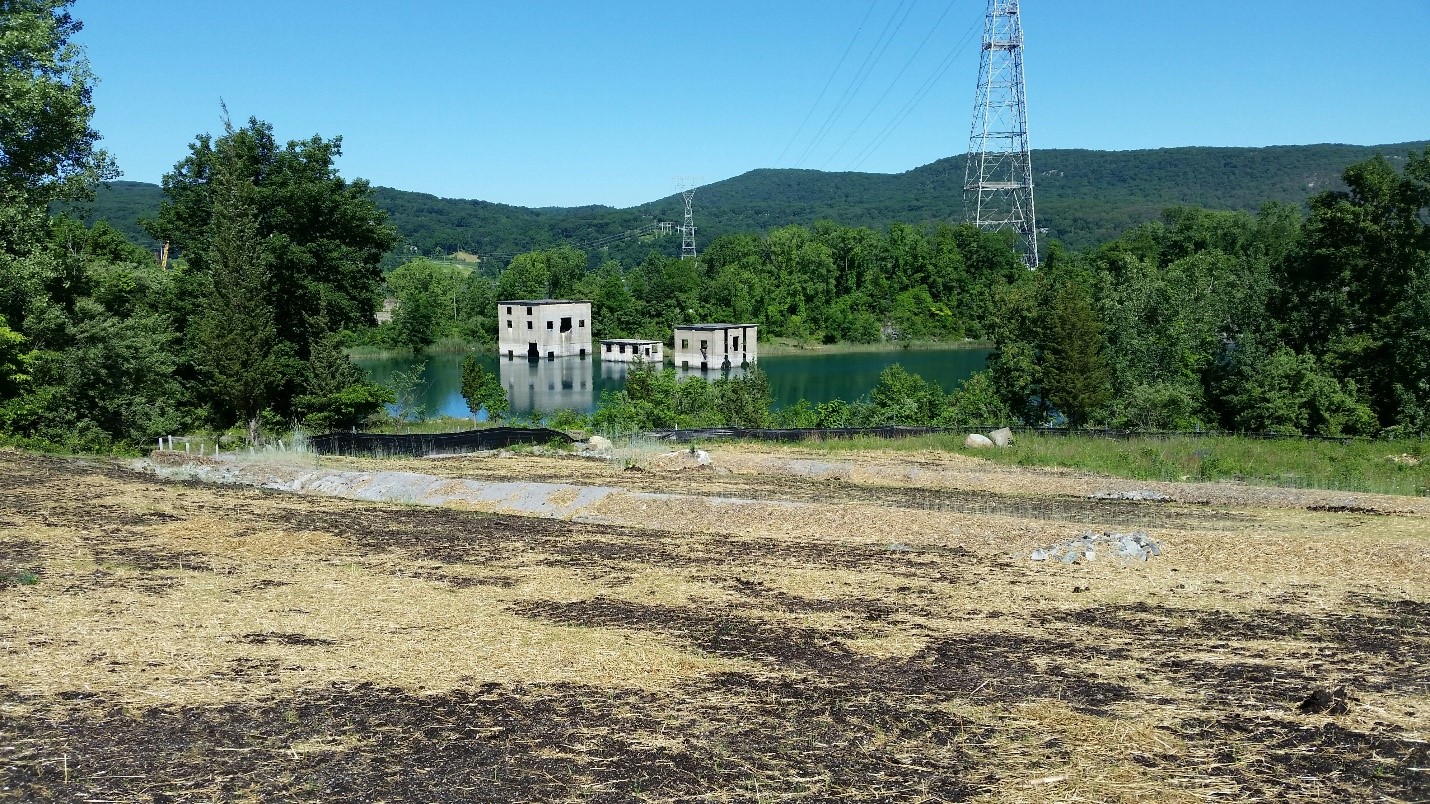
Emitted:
pixel 566 324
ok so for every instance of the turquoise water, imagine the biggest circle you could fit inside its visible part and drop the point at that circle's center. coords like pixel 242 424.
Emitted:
pixel 576 384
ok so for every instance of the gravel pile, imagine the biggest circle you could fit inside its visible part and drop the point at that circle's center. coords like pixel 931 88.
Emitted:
pixel 1122 546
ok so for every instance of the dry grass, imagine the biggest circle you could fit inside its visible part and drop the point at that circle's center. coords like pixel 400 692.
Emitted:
pixel 855 635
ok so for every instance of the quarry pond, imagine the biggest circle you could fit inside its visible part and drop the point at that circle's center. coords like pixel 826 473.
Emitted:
pixel 577 383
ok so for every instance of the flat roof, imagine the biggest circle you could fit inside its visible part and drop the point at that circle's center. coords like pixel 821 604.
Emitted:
pixel 715 326
pixel 637 341
pixel 537 302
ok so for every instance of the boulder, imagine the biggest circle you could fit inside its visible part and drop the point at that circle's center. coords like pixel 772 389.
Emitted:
pixel 976 441
pixel 599 444
pixel 1002 437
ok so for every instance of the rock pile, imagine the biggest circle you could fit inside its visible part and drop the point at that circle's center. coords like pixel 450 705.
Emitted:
pixel 997 438
pixel 1122 546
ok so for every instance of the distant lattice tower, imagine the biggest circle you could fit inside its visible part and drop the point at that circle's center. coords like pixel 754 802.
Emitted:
pixel 998 186
pixel 686 184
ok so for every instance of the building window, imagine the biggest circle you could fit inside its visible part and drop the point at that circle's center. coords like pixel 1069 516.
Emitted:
pixel 508 311
pixel 528 311
pixel 565 324
pixel 737 343
pixel 704 345
pixel 647 352
pixel 608 348
pixel 583 323
pixel 551 325
pixel 508 324
pixel 684 343
pixel 528 325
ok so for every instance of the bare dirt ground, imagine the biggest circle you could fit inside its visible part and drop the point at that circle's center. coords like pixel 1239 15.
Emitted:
pixel 871 630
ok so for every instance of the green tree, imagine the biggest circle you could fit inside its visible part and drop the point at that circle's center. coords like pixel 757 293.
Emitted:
pixel 905 398
pixel 241 360
pixel 1279 390
pixel 527 277
pixel 321 236
pixel 47 147
pixel 481 388
pixel 1345 292
pixel 427 301
pixel 974 403
pixel 1076 375
pixel 339 395
pixel 14 362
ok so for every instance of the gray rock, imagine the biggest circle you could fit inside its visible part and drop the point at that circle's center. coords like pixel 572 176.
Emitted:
pixel 599 443
pixel 1125 547
pixel 976 441
pixel 1001 438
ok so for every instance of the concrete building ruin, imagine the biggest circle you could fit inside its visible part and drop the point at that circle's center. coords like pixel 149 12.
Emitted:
pixel 543 328
pixel 629 350
pixel 716 346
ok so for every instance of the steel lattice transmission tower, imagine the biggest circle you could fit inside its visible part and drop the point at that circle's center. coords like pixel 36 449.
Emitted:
pixel 686 185
pixel 998 186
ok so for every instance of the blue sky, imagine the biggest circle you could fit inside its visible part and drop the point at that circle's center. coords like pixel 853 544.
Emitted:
pixel 563 103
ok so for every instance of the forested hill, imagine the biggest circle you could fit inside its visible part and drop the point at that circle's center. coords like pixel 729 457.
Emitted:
pixel 1084 198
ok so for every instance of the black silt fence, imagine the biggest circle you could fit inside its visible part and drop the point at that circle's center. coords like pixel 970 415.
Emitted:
pixel 818 434
pixel 423 445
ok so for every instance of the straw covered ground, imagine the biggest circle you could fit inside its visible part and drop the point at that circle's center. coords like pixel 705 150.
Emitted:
pixel 872 630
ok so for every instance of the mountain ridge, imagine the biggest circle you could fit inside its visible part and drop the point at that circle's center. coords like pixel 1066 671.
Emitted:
pixel 1084 197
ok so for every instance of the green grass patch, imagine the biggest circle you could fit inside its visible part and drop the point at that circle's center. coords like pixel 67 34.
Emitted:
pixel 1380 467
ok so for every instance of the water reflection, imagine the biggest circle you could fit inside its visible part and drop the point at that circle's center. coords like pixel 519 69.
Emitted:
pixel 732 373
pixel 547 385
pixel 576 384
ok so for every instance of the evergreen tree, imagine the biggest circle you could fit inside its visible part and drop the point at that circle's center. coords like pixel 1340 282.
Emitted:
pixel 482 389
pixel 235 345
pixel 1076 374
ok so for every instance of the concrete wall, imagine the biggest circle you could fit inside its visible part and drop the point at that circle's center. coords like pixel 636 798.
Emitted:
pixel 712 347
pixel 622 351
pixel 544 329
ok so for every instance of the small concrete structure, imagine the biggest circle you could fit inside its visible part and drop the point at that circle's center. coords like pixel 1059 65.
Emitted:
pixel 716 346
pixel 543 328
pixel 629 350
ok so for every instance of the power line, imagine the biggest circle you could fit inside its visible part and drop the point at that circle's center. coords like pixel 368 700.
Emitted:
pixel 881 44
pixel 908 108
pixel 920 49
pixel 828 83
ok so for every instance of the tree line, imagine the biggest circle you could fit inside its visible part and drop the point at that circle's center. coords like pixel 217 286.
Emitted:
pixel 824 283
pixel 102 347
